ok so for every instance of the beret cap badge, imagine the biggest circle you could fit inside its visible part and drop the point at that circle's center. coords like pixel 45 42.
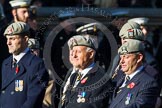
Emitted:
pixel 10 30
pixel 124 50
pixel 130 33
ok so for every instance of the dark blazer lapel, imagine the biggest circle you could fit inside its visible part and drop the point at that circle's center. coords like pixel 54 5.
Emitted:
pixel 125 90
pixel 65 80
pixel 119 83
pixel 7 72
pixel 136 78
pixel 11 73
pixel 67 76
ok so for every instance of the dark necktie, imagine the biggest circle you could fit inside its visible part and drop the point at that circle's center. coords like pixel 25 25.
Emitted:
pixel 79 76
pixel 14 63
pixel 125 81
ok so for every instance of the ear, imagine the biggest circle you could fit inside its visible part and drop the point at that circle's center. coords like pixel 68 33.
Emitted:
pixel 14 12
pixel 91 54
pixel 26 38
pixel 140 58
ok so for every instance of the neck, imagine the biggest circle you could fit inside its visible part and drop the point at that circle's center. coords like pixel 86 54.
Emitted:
pixel 86 66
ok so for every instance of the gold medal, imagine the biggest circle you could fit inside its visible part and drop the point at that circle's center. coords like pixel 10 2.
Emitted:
pixel 21 85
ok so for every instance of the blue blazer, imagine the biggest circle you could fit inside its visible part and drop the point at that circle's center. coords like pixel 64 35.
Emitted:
pixel 26 88
pixel 140 92
pixel 96 88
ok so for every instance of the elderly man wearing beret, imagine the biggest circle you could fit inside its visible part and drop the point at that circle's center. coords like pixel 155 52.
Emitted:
pixel 137 89
pixel 86 85
pixel 24 77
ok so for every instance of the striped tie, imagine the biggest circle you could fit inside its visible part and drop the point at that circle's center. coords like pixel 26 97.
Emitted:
pixel 14 63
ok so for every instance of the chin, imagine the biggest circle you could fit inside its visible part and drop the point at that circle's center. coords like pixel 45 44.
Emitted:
pixel 124 70
pixel 10 51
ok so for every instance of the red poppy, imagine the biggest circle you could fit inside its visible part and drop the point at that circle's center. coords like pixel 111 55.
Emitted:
pixel 84 80
pixel 131 85
pixel 17 69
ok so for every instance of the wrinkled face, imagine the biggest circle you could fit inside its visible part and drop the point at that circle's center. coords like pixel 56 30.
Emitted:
pixel 16 44
pixel 130 62
pixel 80 57
pixel 21 14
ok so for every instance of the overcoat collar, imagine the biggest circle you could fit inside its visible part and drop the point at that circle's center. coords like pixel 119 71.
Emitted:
pixel 9 73
pixel 126 90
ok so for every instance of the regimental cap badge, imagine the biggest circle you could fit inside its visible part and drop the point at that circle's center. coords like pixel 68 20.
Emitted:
pixel 131 46
pixel 124 50
pixel 83 40
pixel 17 28
pixel 10 30
pixel 131 33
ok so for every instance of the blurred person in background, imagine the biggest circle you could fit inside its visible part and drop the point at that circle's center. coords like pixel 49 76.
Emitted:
pixel 48 101
pixel 3 46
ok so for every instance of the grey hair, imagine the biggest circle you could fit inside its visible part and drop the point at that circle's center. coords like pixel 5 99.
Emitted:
pixel 91 49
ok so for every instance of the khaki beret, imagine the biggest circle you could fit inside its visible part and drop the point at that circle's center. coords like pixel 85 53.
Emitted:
pixel 33 43
pixel 127 26
pixel 83 40
pixel 131 46
pixel 19 3
pixel 140 21
pixel 133 34
pixel 17 28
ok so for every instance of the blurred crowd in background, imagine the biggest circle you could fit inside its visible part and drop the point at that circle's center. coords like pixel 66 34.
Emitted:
pixel 94 3
pixel 153 34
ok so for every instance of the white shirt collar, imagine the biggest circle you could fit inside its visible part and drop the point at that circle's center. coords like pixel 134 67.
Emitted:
pixel 86 70
pixel 18 57
pixel 134 73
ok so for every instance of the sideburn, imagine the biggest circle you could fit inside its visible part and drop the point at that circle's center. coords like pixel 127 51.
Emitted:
pixel 17 17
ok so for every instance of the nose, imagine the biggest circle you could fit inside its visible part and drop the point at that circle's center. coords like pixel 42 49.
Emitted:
pixel 74 53
pixel 27 14
pixel 8 42
pixel 121 60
